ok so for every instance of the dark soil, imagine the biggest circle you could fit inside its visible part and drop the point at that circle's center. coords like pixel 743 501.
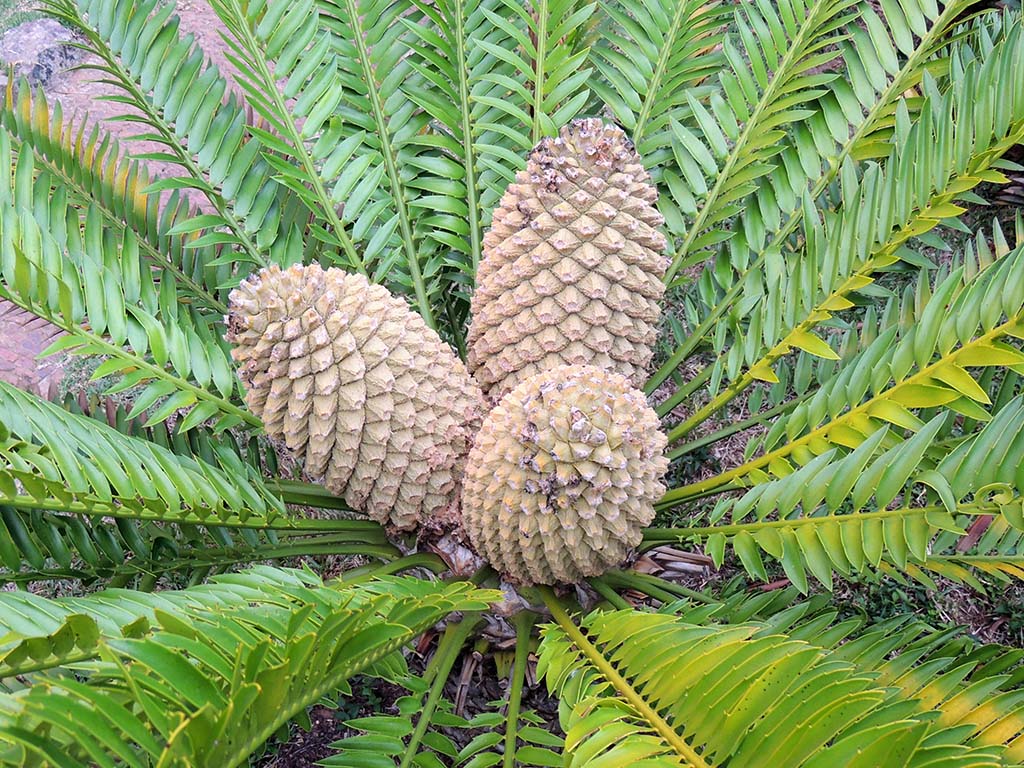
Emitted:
pixel 304 748
pixel 473 687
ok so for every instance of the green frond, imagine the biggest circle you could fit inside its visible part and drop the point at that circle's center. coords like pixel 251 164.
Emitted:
pixel 56 460
pixel 227 448
pixel 184 102
pixel 41 633
pixel 91 281
pixel 800 374
pixel 420 733
pixel 406 744
pixel 941 156
pixel 848 513
pixel 207 684
pixel 39 546
pixel 372 46
pixel 650 56
pixel 972 690
pixel 982 573
pixel 781 611
pixel 846 122
pixel 92 169
pixel 963 325
pixel 537 83
pixel 284 42
pixel 768 81
pixel 990 551
pixel 653 689
pixel 381 739
pixel 544 44
pixel 886 57
pixel 811 157
pixel 183 504
pixel 450 68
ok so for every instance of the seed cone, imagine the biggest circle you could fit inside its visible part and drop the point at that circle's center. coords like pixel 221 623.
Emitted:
pixel 572 264
pixel 357 385
pixel 563 476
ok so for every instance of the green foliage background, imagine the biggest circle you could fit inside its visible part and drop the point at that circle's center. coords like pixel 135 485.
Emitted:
pixel 815 161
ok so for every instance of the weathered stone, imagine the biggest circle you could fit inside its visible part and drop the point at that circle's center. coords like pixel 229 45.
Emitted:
pixel 40 50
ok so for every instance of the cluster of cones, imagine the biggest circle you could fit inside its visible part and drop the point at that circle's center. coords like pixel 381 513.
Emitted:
pixel 557 479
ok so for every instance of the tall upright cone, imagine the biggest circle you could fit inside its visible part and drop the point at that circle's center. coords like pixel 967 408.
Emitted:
pixel 358 386
pixel 572 264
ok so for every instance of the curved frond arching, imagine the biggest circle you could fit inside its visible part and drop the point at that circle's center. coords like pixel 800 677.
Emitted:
pixel 799 374
pixel 881 503
pixel 92 282
pixel 941 156
pixel 848 123
pixel 91 167
pixel 647 687
pixel 208 684
pixel 767 82
pixel 55 459
pixel 40 633
pixel 47 547
pixel 962 326
pixel 185 102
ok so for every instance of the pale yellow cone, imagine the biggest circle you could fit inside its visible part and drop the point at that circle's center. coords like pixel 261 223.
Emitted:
pixel 564 476
pixel 357 385
pixel 573 264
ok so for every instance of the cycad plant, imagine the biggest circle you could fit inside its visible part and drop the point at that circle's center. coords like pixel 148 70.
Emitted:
pixel 646 226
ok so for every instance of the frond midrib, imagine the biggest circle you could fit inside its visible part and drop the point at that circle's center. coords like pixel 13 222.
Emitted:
pixel 621 685
pixel 105 347
pixel 749 128
pixel 472 198
pixel 169 140
pixel 718 482
pixel 387 153
pixel 259 63
pixel 884 102
pixel 329 684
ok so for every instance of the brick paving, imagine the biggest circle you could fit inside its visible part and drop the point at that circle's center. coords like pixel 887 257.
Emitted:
pixel 22 337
